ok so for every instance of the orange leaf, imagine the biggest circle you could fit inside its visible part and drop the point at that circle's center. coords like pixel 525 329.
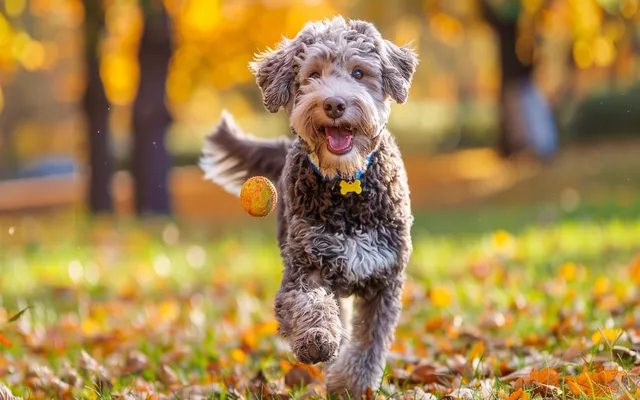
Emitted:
pixel 268 328
pixel 249 340
pixel 634 272
pixel 536 380
pixel 4 341
pixel 518 395
pixel 593 385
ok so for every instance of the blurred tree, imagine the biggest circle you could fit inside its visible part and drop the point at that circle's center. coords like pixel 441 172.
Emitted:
pixel 96 108
pixel 526 121
pixel 151 119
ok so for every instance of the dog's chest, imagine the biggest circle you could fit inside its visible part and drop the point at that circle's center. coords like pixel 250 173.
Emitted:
pixel 351 257
pixel 352 242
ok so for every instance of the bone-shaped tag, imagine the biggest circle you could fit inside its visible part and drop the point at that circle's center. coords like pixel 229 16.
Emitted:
pixel 347 187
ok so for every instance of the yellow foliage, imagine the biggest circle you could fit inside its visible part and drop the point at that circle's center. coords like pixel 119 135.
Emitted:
pixel 440 296
pixel 628 8
pixel 606 335
pixel 120 74
pixel 447 29
pixel 569 271
pixel 502 239
pixel 14 7
pixel 603 51
pixel 601 286
pixel 238 356
pixel 32 56
pixel 201 17
pixel 582 54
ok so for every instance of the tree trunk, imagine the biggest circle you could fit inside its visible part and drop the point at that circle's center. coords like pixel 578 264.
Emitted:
pixel 526 122
pixel 151 118
pixel 96 106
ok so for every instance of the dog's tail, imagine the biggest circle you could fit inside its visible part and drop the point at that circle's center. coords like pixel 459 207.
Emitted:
pixel 230 156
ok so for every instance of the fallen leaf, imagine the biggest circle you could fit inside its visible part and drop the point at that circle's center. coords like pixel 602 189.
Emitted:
pixel 4 341
pixel 518 395
pixel 302 375
pixel 168 376
pixel 238 356
pixel 476 351
pixel 593 385
pixel 440 296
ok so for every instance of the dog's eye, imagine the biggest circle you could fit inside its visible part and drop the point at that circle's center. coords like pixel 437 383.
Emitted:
pixel 315 75
pixel 357 74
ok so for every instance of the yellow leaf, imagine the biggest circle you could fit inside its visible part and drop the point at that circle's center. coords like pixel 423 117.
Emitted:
pixel 476 351
pixel 169 310
pixel 90 327
pixel 268 328
pixel 601 286
pixel 569 271
pixel 440 296
pixel 502 238
pixel 611 335
pixel 238 356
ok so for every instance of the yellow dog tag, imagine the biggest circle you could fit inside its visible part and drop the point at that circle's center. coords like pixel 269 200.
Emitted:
pixel 347 187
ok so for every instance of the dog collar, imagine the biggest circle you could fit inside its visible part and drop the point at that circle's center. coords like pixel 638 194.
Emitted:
pixel 346 186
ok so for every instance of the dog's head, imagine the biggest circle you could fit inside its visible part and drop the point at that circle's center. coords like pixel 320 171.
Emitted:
pixel 336 80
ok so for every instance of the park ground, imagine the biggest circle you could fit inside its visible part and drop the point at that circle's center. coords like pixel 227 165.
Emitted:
pixel 524 286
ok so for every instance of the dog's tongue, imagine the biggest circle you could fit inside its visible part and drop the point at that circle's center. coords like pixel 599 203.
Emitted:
pixel 339 139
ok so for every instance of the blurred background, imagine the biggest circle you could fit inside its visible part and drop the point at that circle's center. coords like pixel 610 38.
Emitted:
pixel 520 137
pixel 516 103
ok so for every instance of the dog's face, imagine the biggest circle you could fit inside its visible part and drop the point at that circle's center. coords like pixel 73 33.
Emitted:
pixel 335 81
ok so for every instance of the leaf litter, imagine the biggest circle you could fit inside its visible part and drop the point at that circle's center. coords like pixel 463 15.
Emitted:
pixel 496 328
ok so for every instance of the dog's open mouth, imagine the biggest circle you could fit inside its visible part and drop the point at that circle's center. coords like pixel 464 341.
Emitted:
pixel 339 138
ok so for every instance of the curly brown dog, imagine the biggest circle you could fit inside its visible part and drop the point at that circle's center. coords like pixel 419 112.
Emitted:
pixel 344 219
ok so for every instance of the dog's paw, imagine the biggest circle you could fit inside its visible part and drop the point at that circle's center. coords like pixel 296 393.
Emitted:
pixel 317 345
pixel 354 374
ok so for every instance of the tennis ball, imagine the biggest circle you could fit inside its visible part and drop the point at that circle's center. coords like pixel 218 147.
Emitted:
pixel 258 196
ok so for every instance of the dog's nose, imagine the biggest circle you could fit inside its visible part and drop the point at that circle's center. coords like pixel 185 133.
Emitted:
pixel 334 107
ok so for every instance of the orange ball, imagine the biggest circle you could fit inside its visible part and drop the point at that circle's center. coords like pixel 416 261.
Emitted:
pixel 258 196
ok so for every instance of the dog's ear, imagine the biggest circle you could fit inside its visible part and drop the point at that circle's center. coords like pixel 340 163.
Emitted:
pixel 398 66
pixel 275 71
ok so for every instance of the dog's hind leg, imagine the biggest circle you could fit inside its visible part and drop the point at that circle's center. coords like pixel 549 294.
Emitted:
pixel 361 364
pixel 309 318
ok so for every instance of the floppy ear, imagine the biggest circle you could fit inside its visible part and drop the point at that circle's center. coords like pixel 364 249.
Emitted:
pixel 275 71
pixel 398 66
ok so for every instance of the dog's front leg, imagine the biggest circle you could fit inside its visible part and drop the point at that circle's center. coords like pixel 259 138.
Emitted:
pixel 308 316
pixel 361 364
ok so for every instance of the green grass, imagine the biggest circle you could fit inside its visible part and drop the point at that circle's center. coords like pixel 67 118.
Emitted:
pixel 198 300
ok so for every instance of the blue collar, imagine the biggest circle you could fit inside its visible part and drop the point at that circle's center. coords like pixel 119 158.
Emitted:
pixel 359 173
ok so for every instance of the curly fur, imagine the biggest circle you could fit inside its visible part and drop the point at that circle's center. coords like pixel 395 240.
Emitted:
pixel 333 246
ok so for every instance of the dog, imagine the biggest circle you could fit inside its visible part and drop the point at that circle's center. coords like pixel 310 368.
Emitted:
pixel 344 217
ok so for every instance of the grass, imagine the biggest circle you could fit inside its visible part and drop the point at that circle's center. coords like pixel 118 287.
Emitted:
pixel 165 310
